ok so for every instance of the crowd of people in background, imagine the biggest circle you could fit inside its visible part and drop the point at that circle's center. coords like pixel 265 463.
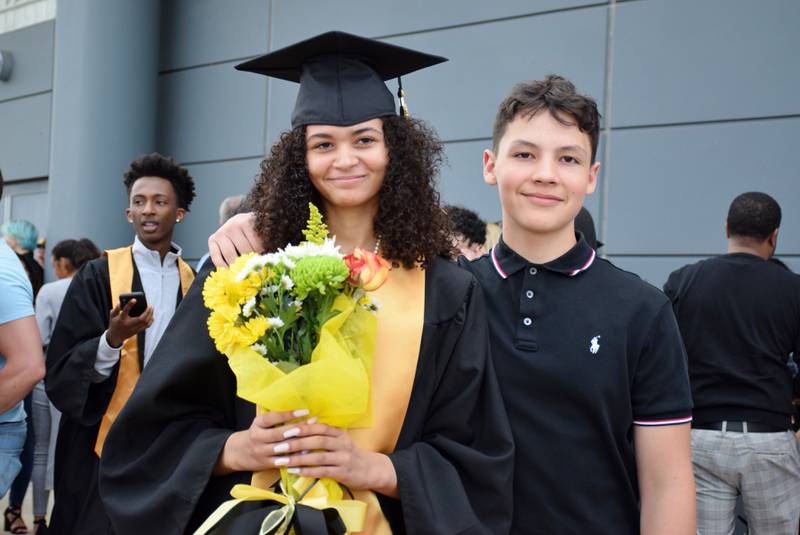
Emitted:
pixel 628 407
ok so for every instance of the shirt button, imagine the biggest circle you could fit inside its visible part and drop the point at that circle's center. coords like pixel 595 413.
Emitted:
pixel 527 322
pixel 532 271
pixel 529 294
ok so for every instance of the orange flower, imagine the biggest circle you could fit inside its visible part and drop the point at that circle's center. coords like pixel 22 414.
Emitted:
pixel 367 270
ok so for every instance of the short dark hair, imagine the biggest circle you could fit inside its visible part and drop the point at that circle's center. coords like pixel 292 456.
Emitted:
pixel 78 252
pixel 155 164
pixel 557 95
pixel 753 215
pixel 467 223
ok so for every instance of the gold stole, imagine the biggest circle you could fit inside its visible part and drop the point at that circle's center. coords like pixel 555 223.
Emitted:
pixel 120 274
pixel 400 319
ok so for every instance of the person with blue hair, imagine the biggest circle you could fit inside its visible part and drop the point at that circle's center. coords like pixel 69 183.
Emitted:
pixel 21 236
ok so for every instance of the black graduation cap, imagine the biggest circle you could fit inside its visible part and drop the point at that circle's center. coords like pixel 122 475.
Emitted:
pixel 341 76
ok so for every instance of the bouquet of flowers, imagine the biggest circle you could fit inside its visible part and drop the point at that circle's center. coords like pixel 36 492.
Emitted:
pixel 298 328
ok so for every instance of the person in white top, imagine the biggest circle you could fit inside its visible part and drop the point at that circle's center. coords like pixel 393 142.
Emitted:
pixel 98 347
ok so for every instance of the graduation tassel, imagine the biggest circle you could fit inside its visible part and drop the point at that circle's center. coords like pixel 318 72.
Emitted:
pixel 402 96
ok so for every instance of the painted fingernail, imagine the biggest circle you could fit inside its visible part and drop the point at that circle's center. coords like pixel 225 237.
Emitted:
pixel 312 420
pixel 293 432
pixel 299 413
pixel 281 448
pixel 280 461
pixel 293 470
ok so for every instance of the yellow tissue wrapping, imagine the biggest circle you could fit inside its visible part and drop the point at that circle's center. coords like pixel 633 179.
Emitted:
pixel 334 386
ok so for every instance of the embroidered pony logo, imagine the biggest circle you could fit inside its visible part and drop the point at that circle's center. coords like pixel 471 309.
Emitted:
pixel 594 345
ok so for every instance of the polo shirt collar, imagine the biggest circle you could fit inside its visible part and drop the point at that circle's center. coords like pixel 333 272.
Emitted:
pixel 575 261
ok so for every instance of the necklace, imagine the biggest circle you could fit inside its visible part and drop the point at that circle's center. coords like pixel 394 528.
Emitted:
pixel 377 247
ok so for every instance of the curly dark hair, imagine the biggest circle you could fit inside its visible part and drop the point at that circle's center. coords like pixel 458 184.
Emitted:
pixel 155 164
pixel 78 252
pixel 555 94
pixel 410 221
pixel 467 223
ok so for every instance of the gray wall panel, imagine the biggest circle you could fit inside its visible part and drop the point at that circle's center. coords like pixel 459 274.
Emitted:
pixel 671 187
pixel 211 113
pixel 462 179
pixel 25 137
pixel 195 32
pixel 460 97
pixel 690 60
pixel 213 183
pixel 32 51
pixel 386 17
pixel 653 269
pixel 656 269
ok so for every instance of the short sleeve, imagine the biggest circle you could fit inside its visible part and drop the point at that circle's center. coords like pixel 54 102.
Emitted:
pixel 17 301
pixel 661 394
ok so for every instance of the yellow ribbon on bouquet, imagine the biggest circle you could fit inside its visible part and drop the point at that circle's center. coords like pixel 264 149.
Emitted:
pixel 352 512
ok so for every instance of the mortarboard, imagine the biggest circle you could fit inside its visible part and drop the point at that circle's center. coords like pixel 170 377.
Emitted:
pixel 341 76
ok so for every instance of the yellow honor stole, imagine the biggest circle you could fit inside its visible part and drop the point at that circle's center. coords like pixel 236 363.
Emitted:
pixel 120 274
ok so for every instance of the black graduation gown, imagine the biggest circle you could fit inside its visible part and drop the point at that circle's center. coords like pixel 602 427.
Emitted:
pixel 453 457
pixel 71 357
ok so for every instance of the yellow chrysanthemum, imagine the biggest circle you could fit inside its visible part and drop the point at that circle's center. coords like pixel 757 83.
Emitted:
pixel 227 335
pixel 222 289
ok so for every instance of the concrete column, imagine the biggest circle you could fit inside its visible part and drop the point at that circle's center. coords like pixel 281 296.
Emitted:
pixel 105 78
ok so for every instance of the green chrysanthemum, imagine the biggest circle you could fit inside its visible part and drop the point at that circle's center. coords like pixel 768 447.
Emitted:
pixel 318 274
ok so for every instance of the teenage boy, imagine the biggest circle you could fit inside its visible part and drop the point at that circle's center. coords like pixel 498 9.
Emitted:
pixel 589 357
pixel 98 347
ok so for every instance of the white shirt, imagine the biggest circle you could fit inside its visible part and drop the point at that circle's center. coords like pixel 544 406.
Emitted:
pixel 48 305
pixel 160 282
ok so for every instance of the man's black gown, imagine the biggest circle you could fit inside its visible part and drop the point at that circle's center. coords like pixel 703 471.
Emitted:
pixel 453 457
pixel 71 357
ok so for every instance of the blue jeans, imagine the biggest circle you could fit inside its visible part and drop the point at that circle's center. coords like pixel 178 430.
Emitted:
pixel 12 439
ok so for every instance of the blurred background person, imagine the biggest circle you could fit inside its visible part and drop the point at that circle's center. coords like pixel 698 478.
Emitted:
pixel 584 223
pixel 469 231
pixel 67 258
pixel 22 237
pixel 493 232
pixel 739 316
pixel 21 366
pixel 229 207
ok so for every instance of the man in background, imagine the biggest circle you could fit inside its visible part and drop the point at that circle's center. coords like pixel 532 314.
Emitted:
pixel 739 315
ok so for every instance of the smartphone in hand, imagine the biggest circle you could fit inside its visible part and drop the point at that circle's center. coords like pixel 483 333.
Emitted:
pixel 137 309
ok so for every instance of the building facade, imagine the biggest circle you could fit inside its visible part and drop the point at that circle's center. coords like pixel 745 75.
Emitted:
pixel 698 100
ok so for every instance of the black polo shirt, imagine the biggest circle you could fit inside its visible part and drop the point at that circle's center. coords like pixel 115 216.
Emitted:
pixel 583 352
pixel 740 320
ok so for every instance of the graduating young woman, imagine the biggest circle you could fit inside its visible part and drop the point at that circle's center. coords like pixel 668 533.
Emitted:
pixel 438 457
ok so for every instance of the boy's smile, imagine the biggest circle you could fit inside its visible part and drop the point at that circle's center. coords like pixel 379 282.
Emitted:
pixel 543 171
